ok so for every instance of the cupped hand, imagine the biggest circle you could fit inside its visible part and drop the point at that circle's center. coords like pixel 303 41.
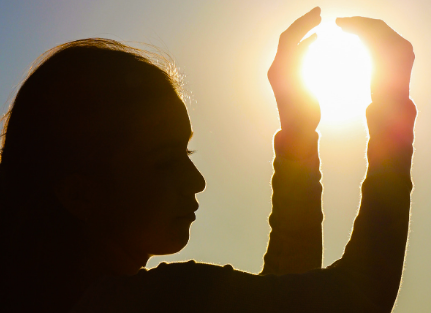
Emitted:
pixel 391 54
pixel 299 111
pixel 392 115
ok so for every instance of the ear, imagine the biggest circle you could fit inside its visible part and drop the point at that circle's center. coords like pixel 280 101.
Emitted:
pixel 78 195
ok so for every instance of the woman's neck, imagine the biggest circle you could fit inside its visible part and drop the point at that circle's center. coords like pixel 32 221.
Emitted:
pixel 106 257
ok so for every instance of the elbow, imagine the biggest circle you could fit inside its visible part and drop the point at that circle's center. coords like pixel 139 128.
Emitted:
pixel 363 293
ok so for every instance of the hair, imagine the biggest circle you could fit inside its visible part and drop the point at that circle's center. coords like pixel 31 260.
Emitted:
pixel 74 104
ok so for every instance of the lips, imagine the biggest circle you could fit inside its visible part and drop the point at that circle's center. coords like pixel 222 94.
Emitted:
pixel 190 216
pixel 191 209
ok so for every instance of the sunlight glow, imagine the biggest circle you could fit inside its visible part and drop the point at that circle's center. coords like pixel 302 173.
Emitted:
pixel 337 69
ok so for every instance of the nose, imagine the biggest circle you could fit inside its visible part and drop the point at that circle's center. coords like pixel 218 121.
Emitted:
pixel 195 182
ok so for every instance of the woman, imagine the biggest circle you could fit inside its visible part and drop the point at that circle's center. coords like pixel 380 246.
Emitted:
pixel 95 179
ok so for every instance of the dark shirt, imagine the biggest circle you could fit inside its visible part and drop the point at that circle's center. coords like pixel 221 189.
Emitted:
pixel 365 279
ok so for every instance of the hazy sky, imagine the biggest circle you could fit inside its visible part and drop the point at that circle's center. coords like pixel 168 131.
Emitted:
pixel 225 48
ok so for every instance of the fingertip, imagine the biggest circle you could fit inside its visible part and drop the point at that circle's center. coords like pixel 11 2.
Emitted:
pixel 313 38
pixel 316 18
pixel 314 11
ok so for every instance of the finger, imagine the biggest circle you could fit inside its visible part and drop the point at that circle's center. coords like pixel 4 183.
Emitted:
pixel 302 49
pixel 392 55
pixel 366 28
pixel 299 29
pixel 357 23
pixel 293 61
pixel 303 45
pixel 376 34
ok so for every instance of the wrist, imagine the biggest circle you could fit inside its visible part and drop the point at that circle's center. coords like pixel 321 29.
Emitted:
pixel 397 94
pixel 391 84
pixel 393 117
pixel 296 145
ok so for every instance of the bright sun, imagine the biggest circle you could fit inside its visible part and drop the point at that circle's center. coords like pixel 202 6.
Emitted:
pixel 337 69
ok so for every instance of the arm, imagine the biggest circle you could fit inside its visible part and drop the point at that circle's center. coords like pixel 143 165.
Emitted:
pixel 374 256
pixel 370 270
pixel 295 244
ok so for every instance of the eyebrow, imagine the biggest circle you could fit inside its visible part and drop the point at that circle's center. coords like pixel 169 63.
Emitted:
pixel 169 145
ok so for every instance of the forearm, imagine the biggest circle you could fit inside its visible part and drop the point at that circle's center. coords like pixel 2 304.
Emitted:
pixel 374 256
pixel 295 244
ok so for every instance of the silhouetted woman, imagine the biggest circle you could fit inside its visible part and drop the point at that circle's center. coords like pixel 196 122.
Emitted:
pixel 95 179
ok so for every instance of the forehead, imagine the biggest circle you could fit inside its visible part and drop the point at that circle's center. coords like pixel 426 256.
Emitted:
pixel 167 124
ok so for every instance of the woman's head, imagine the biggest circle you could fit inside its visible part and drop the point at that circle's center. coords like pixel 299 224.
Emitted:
pixel 85 91
pixel 96 143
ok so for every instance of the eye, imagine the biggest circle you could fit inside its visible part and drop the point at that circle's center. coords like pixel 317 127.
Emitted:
pixel 190 152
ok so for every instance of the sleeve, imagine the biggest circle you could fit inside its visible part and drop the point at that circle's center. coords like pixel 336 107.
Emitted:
pixel 373 259
pixel 295 244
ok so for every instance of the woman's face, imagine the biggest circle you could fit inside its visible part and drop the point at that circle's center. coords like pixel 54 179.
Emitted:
pixel 151 192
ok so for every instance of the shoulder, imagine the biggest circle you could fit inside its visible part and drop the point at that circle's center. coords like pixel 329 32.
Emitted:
pixel 183 270
pixel 168 286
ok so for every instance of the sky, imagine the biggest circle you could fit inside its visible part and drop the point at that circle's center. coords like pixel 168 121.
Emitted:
pixel 224 48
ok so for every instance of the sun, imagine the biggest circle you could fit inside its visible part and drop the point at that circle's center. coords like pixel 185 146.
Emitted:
pixel 337 69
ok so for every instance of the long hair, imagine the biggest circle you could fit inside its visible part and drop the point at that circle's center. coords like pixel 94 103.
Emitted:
pixel 70 112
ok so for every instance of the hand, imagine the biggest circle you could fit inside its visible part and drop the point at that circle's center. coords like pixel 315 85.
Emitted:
pixel 298 109
pixel 296 105
pixel 391 54
pixel 391 116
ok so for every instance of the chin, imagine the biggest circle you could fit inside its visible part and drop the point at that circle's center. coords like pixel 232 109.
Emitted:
pixel 171 239
pixel 177 242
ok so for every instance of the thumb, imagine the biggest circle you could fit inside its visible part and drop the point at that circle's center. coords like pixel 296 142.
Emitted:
pixel 303 45
pixel 302 48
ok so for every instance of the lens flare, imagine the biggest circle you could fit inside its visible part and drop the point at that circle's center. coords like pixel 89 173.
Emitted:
pixel 337 69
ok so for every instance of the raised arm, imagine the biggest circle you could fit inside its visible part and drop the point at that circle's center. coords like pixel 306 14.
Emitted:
pixel 295 244
pixel 373 259
pixel 368 276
